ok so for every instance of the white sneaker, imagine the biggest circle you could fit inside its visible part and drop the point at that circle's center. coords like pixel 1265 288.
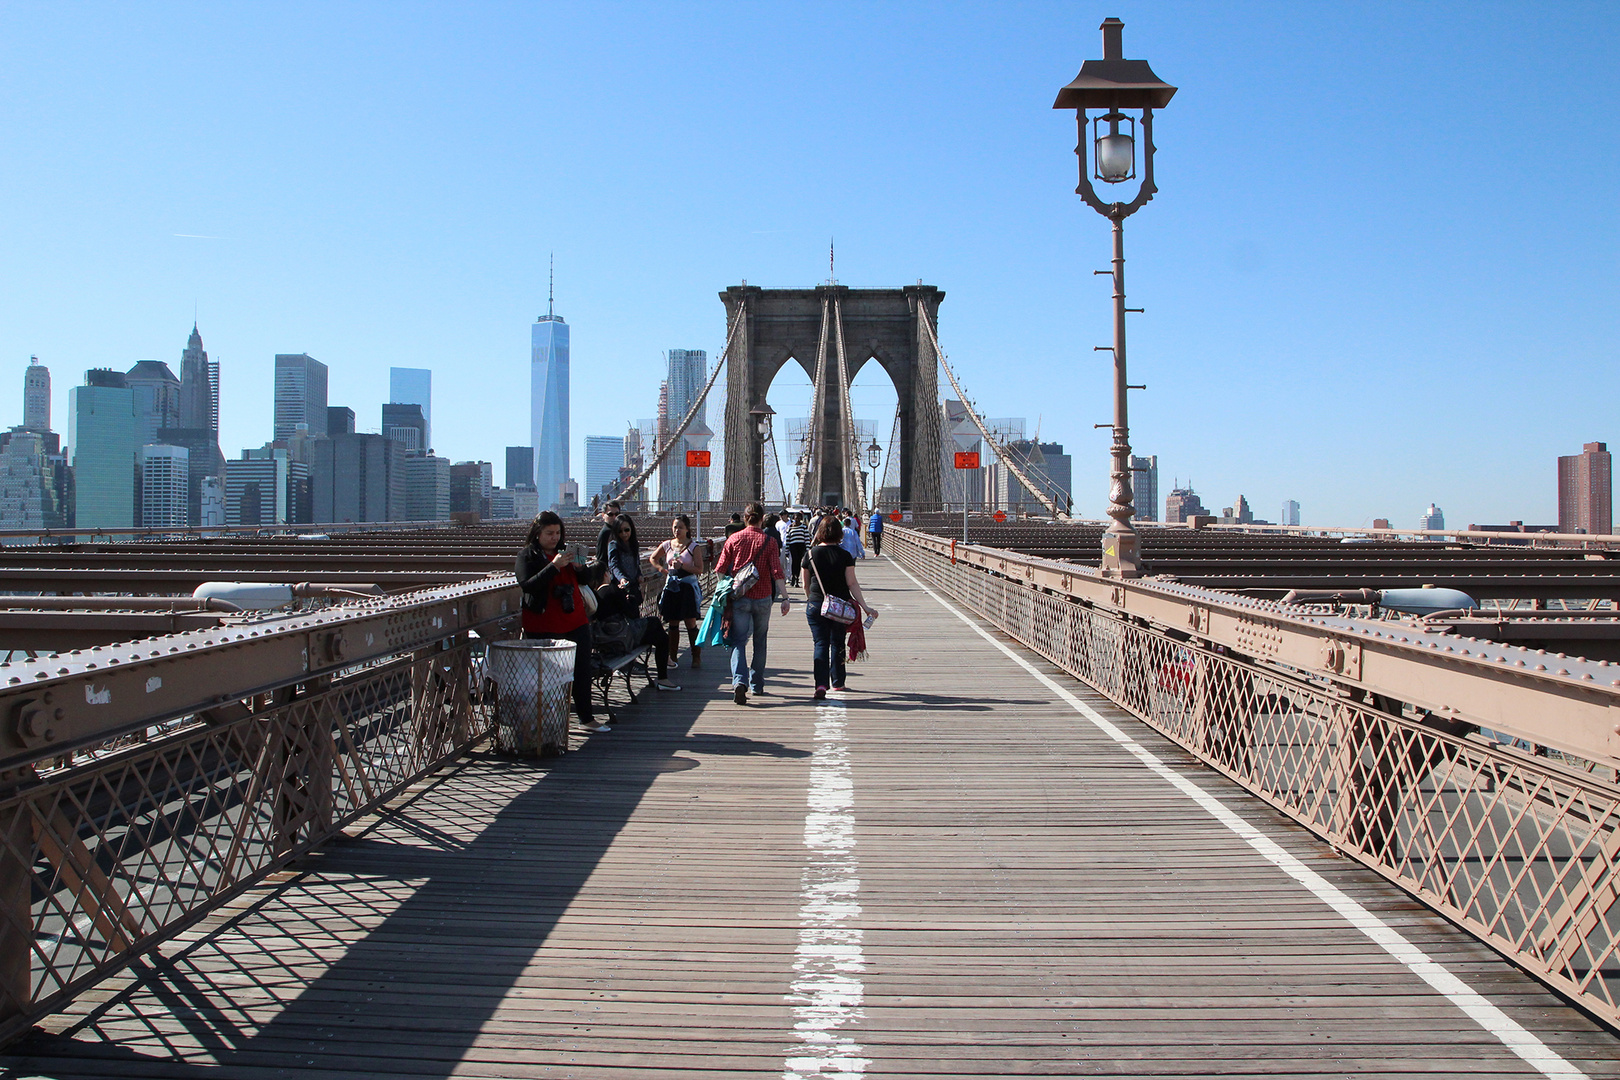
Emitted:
pixel 664 684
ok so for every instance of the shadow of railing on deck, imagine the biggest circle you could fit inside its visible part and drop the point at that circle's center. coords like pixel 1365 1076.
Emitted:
pixel 420 944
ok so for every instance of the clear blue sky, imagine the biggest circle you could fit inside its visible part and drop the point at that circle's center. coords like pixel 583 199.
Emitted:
pixel 1380 271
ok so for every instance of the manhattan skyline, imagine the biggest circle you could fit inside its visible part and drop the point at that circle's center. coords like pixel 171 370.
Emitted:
pixel 1347 254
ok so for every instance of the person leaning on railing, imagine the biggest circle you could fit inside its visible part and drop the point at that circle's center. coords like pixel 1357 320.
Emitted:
pixel 552 604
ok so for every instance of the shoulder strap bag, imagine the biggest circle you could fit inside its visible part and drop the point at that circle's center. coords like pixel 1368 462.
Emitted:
pixel 745 576
pixel 833 608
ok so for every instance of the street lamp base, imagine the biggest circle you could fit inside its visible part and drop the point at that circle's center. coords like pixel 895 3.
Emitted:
pixel 1121 554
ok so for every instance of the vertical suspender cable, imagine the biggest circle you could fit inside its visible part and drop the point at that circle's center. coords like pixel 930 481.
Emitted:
pixel 686 421
pixel 846 417
pixel 818 399
pixel 990 440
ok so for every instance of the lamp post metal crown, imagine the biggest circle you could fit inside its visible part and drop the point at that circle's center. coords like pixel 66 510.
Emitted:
pixel 1115 84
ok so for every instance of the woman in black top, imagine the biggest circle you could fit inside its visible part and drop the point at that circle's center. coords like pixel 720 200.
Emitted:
pixel 552 604
pixel 829 565
pixel 624 561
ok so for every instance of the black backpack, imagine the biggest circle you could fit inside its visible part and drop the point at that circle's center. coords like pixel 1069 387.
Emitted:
pixel 615 635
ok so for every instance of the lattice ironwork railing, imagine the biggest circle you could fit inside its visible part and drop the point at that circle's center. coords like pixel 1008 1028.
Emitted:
pixel 102 860
pixel 1521 850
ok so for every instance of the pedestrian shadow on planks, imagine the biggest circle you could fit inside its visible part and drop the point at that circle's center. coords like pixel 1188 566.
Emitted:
pixel 393 949
pixel 704 742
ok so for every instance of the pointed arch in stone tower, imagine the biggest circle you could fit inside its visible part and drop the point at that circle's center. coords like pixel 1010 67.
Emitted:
pixel 883 325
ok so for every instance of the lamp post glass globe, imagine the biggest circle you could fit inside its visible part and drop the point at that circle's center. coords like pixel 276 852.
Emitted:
pixel 874 454
pixel 1116 151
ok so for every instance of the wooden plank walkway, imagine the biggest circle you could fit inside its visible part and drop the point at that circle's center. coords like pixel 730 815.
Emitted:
pixel 948 873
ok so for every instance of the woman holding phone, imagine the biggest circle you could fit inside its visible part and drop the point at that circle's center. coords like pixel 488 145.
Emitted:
pixel 553 606
pixel 829 570
pixel 681 560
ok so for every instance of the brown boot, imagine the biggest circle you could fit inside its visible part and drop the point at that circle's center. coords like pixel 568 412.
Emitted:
pixel 697 655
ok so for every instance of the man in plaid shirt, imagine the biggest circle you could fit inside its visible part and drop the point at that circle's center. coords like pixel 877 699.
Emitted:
pixel 751 612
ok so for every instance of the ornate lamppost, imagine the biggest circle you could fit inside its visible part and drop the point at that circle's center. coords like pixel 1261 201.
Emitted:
pixel 1119 88
pixel 761 418
pixel 874 458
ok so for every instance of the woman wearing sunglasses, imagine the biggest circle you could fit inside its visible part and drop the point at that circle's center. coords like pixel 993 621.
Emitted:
pixel 624 561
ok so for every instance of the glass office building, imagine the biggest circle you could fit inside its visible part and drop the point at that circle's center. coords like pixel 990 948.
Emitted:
pixel 548 406
pixel 414 386
pixel 300 394
pixel 104 434
pixel 604 457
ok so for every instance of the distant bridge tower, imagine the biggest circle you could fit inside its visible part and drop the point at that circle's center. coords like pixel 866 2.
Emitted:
pixel 878 324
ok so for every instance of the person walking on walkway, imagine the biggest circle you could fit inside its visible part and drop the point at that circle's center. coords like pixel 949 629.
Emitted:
pixel 829 571
pixel 681 601
pixel 874 529
pixel 553 606
pixel 751 607
pixel 773 532
pixel 798 542
pixel 852 533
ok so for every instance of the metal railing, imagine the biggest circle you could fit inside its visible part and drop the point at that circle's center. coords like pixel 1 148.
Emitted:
pixel 142 785
pixel 1521 850
pixel 146 783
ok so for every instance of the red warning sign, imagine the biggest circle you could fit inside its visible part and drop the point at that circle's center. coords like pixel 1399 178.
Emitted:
pixel 967 459
pixel 697 459
pixel 1000 515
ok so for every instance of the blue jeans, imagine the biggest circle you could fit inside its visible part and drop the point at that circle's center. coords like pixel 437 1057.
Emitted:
pixel 749 619
pixel 829 639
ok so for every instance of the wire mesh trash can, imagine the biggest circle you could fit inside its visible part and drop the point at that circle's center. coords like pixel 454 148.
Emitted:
pixel 533 681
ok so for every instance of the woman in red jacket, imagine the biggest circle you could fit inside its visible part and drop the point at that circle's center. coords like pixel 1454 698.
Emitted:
pixel 552 605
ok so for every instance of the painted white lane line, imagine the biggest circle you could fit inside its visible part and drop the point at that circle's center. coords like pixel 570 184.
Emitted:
pixel 827 993
pixel 1511 1034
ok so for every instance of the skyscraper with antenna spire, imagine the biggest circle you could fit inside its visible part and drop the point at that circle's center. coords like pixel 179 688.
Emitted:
pixel 548 399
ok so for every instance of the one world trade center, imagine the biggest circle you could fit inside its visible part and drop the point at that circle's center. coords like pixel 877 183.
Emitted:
pixel 548 405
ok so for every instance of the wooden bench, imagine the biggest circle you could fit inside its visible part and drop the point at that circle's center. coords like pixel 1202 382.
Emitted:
pixel 636 662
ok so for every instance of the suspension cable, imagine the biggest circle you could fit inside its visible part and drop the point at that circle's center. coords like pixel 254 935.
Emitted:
pixel 658 459
pixel 846 414
pixel 1002 452
pixel 818 401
